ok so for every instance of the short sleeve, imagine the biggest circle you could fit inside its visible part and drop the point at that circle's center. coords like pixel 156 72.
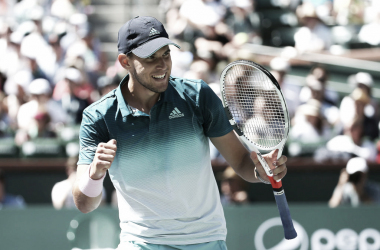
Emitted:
pixel 92 132
pixel 215 121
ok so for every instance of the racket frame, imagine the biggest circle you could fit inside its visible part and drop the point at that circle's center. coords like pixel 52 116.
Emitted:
pixel 253 146
pixel 278 190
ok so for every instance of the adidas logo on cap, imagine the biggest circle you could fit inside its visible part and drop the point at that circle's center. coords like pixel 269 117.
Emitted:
pixel 153 32
pixel 176 113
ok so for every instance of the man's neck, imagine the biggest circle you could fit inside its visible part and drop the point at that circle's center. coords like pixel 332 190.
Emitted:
pixel 139 97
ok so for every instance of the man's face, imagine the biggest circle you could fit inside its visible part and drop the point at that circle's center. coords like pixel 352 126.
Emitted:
pixel 152 72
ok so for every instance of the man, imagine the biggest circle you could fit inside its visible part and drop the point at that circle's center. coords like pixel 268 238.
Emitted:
pixel 161 169
pixel 353 187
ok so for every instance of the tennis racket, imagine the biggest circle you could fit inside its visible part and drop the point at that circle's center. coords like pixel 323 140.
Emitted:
pixel 256 109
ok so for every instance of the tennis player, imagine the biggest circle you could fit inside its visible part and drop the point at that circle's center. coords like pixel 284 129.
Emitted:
pixel 151 134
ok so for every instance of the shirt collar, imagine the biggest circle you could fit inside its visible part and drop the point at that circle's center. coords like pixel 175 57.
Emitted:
pixel 123 106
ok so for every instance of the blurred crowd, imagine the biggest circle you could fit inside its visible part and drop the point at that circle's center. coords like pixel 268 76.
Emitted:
pixel 325 124
pixel 52 67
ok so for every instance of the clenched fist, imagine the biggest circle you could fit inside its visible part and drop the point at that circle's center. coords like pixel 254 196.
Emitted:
pixel 104 156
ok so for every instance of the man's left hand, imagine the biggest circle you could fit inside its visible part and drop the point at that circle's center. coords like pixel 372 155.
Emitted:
pixel 278 166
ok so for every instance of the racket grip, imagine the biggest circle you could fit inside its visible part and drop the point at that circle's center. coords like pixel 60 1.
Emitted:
pixel 287 223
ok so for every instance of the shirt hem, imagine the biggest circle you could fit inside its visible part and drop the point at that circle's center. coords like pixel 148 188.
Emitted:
pixel 171 242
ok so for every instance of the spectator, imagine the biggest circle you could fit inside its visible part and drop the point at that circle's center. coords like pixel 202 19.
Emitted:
pixel 41 127
pixel 77 25
pixel 9 200
pixel 322 75
pixel 202 13
pixel 199 69
pixel 280 68
pixel 370 111
pixel 314 35
pixel 316 89
pixel 357 105
pixel 369 32
pixel 32 47
pixel 53 57
pixel 5 121
pixel 106 84
pixel 241 18
pixel 61 193
pixel 182 59
pixel 233 188
pixel 17 89
pixel 40 92
pixel 82 43
pixel 353 142
pixel 73 94
pixel 353 188
pixel 12 61
pixel 349 12
pixel 309 124
pixel 62 9
pixel 211 42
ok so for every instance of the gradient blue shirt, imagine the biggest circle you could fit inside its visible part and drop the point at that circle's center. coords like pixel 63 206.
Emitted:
pixel 166 190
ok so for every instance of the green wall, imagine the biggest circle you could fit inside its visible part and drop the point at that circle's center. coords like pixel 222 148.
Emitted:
pixel 249 227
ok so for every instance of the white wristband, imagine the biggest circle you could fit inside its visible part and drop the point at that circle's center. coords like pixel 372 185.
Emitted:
pixel 90 187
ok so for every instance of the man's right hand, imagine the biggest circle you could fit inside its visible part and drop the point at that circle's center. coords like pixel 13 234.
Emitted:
pixel 104 156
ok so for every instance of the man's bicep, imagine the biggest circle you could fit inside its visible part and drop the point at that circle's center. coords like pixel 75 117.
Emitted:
pixel 214 118
pixel 230 147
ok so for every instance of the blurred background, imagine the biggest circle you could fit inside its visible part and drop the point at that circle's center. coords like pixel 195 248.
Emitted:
pixel 59 56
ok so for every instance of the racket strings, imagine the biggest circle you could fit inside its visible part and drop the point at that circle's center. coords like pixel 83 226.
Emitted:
pixel 255 105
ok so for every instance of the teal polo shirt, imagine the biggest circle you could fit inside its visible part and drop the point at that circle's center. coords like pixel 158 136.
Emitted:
pixel 166 190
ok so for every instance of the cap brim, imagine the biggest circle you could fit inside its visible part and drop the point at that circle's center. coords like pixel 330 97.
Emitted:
pixel 149 48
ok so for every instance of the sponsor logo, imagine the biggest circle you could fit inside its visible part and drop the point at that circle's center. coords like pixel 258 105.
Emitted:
pixel 278 193
pixel 321 239
pixel 153 32
pixel 299 243
pixel 176 113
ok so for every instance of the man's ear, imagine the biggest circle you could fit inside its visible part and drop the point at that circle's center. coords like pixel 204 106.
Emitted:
pixel 124 61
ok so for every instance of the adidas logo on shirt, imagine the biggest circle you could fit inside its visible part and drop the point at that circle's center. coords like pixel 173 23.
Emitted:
pixel 153 32
pixel 176 113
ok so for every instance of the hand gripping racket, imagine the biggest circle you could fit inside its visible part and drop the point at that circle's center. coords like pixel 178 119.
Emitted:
pixel 256 108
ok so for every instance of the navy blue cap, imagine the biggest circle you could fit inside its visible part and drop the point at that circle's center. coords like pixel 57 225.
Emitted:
pixel 142 36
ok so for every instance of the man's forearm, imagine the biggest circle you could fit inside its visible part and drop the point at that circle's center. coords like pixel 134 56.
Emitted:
pixel 246 169
pixel 84 203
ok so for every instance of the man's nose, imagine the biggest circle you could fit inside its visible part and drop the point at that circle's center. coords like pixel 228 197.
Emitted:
pixel 161 64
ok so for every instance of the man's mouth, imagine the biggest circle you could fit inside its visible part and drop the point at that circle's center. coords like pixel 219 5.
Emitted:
pixel 159 76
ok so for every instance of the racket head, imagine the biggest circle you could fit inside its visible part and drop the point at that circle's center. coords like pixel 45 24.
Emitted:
pixel 255 104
